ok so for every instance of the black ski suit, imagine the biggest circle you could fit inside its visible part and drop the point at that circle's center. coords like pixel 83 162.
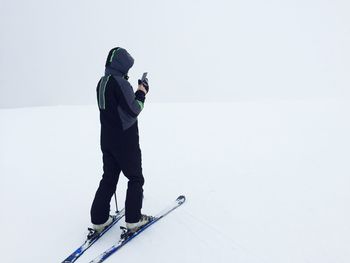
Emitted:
pixel 119 107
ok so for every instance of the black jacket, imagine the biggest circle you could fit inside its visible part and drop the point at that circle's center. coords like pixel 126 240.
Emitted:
pixel 118 104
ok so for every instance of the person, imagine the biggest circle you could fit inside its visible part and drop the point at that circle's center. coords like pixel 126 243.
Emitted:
pixel 119 108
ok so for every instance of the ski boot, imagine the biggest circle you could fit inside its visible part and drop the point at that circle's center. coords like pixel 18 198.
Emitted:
pixel 133 227
pixel 96 229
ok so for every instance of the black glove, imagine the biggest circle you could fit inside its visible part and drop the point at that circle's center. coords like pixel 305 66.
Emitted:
pixel 144 83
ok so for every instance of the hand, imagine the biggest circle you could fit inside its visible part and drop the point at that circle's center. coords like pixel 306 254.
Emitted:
pixel 142 88
pixel 143 85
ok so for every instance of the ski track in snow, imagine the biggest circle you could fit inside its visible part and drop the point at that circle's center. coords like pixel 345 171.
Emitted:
pixel 265 181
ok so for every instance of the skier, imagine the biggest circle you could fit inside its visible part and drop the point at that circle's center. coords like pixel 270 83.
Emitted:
pixel 119 107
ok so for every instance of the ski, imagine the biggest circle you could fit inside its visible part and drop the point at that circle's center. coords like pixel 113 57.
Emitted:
pixel 126 237
pixel 90 241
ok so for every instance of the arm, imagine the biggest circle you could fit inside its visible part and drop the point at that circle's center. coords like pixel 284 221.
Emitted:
pixel 131 102
pixel 140 95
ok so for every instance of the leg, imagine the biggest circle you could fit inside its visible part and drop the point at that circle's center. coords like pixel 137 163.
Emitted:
pixel 130 162
pixel 101 204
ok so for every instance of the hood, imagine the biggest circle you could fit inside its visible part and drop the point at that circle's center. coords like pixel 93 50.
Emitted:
pixel 118 62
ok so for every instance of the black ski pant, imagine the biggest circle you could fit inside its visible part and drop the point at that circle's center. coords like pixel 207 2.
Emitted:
pixel 125 157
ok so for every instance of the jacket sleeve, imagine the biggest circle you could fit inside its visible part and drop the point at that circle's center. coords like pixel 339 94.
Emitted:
pixel 98 93
pixel 131 102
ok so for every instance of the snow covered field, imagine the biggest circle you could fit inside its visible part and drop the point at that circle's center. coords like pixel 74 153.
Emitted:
pixel 266 181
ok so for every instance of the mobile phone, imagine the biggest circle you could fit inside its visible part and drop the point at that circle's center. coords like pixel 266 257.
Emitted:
pixel 144 76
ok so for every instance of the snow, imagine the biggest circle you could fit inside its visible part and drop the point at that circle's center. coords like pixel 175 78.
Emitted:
pixel 265 181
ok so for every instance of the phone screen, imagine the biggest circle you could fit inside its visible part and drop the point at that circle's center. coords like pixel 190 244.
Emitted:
pixel 144 75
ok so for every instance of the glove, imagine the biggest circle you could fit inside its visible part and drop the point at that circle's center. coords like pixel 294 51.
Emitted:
pixel 144 83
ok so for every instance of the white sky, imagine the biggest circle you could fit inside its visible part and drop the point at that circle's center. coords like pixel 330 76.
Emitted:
pixel 53 52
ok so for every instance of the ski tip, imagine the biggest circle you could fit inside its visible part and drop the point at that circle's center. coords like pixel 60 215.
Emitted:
pixel 181 199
